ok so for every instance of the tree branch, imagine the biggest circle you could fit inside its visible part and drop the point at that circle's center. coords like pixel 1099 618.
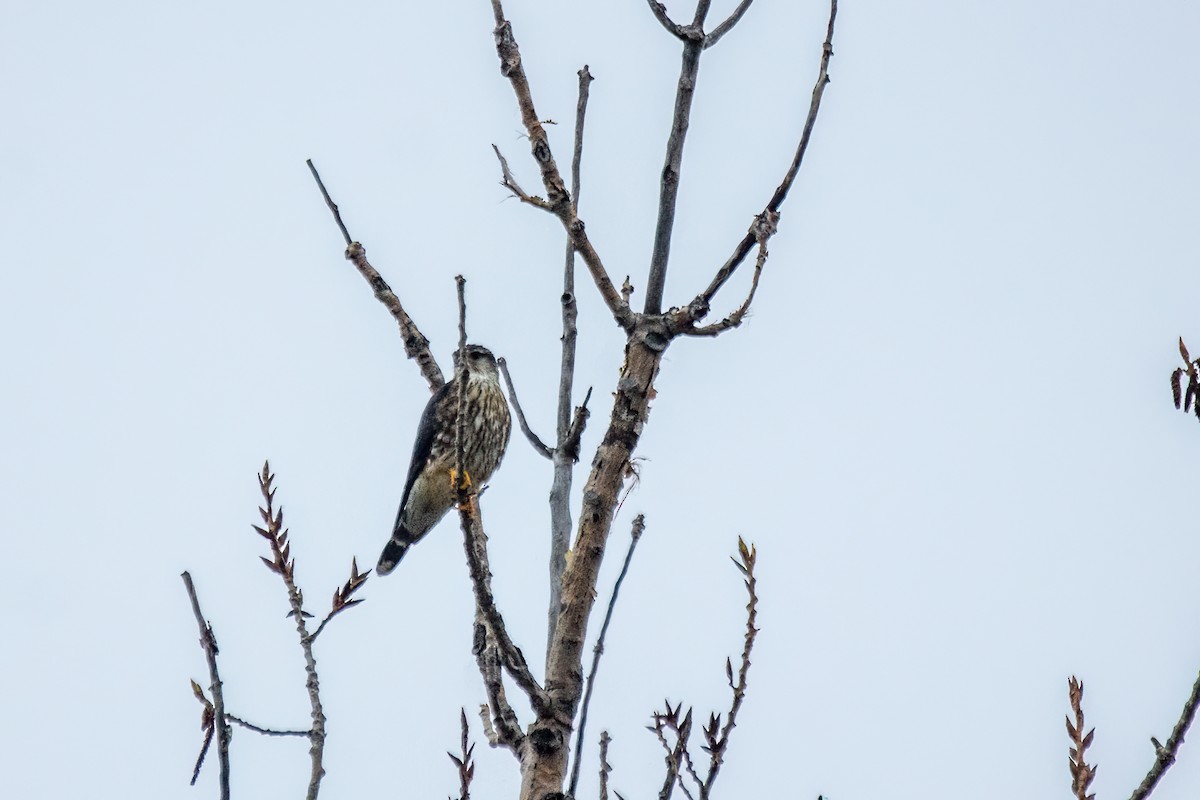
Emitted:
pixel 557 196
pixel 660 14
pixel 668 195
pixel 284 565
pixel 474 538
pixel 501 726
pixel 538 445
pixel 566 452
pixel 738 314
pixel 726 26
pixel 509 181
pixel 416 346
pixel 208 643
pixel 1164 755
pixel 716 745
pixel 639 527
pixel 700 306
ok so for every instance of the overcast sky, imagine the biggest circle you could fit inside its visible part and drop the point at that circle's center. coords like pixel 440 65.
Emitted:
pixel 947 424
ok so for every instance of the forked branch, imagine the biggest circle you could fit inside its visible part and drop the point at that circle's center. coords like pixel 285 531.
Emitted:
pixel 766 228
pixel 558 198
pixel 699 307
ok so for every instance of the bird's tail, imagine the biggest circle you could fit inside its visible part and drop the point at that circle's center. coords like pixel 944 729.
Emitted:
pixel 394 550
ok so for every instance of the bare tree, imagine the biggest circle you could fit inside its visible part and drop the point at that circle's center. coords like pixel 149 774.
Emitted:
pixel 541 745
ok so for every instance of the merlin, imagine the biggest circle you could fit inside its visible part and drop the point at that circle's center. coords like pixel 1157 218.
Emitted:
pixel 429 490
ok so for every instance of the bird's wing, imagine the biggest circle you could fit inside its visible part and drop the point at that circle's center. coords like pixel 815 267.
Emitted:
pixel 426 433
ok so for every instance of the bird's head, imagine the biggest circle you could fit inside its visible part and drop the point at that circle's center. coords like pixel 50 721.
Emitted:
pixel 481 364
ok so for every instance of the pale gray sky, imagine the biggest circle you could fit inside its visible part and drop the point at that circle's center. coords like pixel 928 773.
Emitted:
pixel 968 321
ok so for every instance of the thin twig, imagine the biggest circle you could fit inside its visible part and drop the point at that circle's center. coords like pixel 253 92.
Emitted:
pixel 557 195
pixel 639 527
pixel 699 307
pixel 566 451
pixel 250 726
pixel 285 566
pixel 538 445
pixel 1164 755
pixel 337 215
pixel 208 643
pixel 718 744
pixel 416 346
pixel 474 538
pixel 726 26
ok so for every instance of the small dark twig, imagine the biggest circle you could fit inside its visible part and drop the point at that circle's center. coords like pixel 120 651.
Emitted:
pixel 337 215
pixel 639 527
pixel 208 642
pixel 466 767
pixel 250 726
pixel 538 445
pixel 1082 773
pixel 1187 399
pixel 699 307
pixel 1164 755
pixel 726 26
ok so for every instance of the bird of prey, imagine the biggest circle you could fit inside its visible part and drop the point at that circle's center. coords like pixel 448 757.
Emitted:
pixel 429 490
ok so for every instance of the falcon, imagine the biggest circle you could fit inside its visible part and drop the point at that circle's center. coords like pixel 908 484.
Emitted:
pixel 429 490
